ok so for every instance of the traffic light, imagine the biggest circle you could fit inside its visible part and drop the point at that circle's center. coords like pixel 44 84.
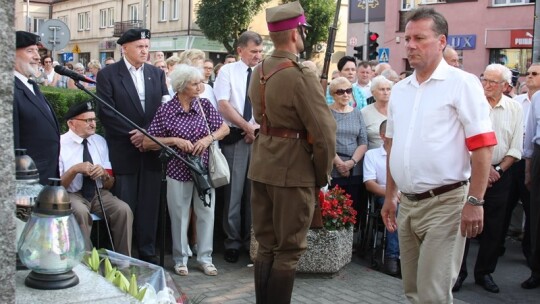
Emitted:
pixel 359 52
pixel 372 46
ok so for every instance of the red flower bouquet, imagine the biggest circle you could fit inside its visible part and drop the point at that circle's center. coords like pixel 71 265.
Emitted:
pixel 336 209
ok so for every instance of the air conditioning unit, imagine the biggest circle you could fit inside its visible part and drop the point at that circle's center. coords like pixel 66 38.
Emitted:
pixel 319 47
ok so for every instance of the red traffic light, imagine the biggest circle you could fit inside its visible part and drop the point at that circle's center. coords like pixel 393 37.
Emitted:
pixel 373 36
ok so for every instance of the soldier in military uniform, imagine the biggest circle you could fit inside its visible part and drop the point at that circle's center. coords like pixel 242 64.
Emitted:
pixel 286 168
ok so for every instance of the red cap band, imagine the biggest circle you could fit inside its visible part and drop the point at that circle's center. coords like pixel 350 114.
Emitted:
pixel 287 24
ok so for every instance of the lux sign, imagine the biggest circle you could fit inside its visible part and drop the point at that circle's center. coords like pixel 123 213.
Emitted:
pixel 462 42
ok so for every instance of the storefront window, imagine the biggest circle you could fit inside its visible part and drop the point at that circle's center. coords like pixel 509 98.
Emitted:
pixel 519 59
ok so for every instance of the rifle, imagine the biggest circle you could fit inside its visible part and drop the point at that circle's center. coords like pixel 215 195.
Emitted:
pixel 330 47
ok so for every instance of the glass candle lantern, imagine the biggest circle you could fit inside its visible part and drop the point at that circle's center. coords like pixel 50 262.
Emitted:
pixel 51 243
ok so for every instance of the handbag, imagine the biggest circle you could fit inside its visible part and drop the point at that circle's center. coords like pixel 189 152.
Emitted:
pixel 218 168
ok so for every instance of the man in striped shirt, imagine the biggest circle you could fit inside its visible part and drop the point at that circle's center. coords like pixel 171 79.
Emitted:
pixel 507 120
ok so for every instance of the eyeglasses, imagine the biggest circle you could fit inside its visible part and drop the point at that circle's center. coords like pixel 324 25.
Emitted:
pixel 532 73
pixel 88 120
pixel 343 91
pixel 490 82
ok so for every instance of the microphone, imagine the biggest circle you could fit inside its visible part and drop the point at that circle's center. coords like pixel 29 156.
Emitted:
pixel 73 75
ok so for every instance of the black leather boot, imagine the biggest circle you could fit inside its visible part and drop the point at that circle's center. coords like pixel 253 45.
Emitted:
pixel 262 272
pixel 280 286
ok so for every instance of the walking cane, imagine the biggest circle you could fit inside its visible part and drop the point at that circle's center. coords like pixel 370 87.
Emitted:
pixel 104 215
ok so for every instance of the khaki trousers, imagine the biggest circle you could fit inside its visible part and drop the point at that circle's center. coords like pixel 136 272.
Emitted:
pixel 119 216
pixel 281 219
pixel 431 245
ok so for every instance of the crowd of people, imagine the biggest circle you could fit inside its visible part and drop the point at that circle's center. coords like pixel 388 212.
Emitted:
pixel 456 164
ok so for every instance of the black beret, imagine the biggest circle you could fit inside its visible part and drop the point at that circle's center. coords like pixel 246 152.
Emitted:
pixel 78 109
pixel 134 35
pixel 25 39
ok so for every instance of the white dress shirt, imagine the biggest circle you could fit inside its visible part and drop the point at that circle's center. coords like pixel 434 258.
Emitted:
pixel 24 80
pixel 71 153
pixel 138 79
pixel 375 166
pixel 507 121
pixel 230 85
pixel 433 127
pixel 525 103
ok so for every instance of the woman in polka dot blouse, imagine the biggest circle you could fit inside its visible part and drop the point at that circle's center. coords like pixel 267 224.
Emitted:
pixel 182 125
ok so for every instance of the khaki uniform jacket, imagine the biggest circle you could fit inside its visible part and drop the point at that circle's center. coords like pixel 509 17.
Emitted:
pixel 294 100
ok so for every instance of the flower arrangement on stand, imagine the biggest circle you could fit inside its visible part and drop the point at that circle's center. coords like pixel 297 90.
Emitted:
pixel 336 209
pixel 329 248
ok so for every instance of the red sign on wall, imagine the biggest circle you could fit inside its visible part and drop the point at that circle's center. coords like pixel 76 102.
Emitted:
pixel 521 38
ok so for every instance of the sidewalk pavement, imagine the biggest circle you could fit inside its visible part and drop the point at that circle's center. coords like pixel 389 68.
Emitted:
pixel 355 283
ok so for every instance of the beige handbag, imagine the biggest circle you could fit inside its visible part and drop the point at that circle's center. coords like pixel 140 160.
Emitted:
pixel 218 168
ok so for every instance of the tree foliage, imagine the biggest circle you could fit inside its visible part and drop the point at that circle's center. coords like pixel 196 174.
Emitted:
pixel 225 20
pixel 320 15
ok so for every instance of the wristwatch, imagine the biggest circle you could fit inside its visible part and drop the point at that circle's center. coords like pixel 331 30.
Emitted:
pixel 474 201
pixel 354 161
pixel 499 170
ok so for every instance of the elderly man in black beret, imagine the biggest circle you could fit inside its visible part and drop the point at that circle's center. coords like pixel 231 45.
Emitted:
pixel 84 165
pixel 35 125
pixel 136 90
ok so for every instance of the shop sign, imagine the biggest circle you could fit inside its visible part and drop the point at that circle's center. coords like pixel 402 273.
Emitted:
pixel 462 42
pixel 521 38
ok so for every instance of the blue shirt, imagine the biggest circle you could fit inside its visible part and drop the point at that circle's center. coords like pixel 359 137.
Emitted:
pixel 532 132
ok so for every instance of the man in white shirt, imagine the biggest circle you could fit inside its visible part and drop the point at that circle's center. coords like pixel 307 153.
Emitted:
pixel 363 73
pixel 230 89
pixel 507 121
pixel 84 165
pixel 437 142
pixel 375 181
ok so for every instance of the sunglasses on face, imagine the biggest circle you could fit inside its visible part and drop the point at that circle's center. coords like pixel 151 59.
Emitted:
pixel 343 91
pixel 531 73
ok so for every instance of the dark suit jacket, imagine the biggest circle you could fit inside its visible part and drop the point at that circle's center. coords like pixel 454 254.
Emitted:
pixel 35 131
pixel 115 86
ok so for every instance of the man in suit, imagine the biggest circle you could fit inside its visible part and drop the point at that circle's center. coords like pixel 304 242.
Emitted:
pixel 35 125
pixel 136 90
pixel 286 169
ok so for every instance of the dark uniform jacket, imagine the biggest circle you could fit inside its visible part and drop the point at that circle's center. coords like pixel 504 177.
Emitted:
pixel 294 100
pixel 36 131
pixel 116 87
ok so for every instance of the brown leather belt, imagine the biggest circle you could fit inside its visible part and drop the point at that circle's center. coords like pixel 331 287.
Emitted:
pixel 284 133
pixel 434 192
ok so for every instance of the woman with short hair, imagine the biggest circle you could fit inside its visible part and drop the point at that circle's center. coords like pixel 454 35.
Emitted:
pixel 375 113
pixel 188 124
pixel 351 140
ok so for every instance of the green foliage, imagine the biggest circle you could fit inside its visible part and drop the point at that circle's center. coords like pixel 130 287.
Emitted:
pixel 61 99
pixel 320 15
pixel 225 20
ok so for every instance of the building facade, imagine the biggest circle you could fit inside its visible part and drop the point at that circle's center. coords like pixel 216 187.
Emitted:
pixel 96 25
pixel 482 31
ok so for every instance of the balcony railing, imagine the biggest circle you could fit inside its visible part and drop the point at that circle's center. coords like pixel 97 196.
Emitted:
pixel 121 27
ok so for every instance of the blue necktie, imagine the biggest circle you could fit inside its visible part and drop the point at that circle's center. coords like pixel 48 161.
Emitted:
pixel 247 103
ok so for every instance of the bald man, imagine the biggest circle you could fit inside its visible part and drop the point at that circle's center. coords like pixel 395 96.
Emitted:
pixel 451 56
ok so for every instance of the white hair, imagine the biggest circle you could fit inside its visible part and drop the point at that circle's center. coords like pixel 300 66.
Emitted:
pixel 183 74
pixel 504 71
pixel 379 80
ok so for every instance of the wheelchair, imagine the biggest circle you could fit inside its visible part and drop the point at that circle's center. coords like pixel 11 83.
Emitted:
pixel 373 235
